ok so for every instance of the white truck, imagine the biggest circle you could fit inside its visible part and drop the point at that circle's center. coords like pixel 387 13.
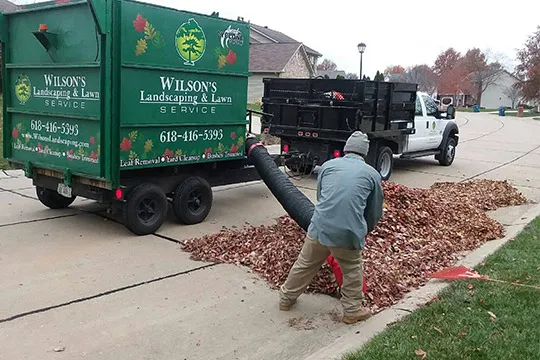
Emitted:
pixel 314 117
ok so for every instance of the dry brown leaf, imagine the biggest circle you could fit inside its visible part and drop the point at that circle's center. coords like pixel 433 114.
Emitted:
pixel 422 231
pixel 437 330
pixel 462 334
pixel 421 353
pixel 492 315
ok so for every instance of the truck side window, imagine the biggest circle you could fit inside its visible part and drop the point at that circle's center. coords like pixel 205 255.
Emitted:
pixel 418 110
pixel 431 106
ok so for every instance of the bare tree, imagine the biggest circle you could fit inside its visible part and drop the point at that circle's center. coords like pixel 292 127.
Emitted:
pixel 424 76
pixel 351 76
pixel 513 93
pixel 327 65
pixel 483 71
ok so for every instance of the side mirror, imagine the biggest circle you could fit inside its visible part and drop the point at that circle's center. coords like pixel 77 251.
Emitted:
pixel 451 112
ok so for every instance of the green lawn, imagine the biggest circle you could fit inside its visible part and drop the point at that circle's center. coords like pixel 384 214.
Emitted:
pixel 3 163
pixel 254 107
pixel 472 110
pixel 525 114
pixel 475 319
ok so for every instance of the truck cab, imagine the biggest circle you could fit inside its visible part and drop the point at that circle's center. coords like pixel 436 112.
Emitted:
pixel 436 132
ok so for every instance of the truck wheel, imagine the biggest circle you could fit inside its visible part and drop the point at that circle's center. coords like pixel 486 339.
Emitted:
pixel 145 209
pixel 448 153
pixel 301 169
pixel 385 162
pixel 192 200
pixel 52 199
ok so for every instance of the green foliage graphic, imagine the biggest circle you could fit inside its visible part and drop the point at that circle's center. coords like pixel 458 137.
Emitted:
pixel 190 42
pixel 22 88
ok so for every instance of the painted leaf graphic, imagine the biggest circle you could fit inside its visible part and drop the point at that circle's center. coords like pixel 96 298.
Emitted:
pixel 222 61
pixel 231 57
pixel 148 145
pixel 179 152
pixel 15 133
pixel 125 145
pixel 133 135
pixel 158 41
pixel 240 141
pixel 149 31
pixel 233 135
pixel 168 154
pixel 221 148
pixel 139 23
pixel 234 149
pixel 141 47
pixel 132 155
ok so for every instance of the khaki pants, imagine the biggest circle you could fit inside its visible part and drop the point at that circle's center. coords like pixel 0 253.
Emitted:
pixel 309 262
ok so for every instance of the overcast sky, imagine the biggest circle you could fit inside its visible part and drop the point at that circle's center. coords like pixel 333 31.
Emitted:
pixel 395 32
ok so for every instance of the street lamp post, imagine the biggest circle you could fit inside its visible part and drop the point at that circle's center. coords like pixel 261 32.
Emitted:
pixel 361 49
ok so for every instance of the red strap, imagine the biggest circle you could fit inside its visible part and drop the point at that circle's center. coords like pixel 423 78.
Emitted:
pixel 253 146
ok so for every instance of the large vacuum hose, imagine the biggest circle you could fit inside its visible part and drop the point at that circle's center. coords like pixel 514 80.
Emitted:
pixel 295 203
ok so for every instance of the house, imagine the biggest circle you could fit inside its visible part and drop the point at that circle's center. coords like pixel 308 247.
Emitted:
pixel 274 54
pixel 6 6
pixel 500 93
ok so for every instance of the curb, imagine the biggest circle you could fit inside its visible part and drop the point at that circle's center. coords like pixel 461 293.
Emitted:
pixel 362 333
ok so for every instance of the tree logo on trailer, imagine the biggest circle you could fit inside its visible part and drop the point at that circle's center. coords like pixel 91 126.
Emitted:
pixel 190 42
pixel 22 88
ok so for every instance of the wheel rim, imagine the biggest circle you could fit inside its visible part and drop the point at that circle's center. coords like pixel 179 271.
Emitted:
pixel 146 211
pixel 195 202
pixel 450 152
pixel 386 164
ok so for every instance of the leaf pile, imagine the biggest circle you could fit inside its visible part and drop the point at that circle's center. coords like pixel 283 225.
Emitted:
pixel 422 231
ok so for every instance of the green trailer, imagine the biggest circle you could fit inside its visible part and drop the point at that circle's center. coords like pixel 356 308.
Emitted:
pixel 126 103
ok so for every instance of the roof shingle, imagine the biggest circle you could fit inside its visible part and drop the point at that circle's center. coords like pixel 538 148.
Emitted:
pixel 271 57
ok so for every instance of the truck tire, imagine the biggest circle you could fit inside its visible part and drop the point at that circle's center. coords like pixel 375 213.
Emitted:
pixel 145 209
pixel 301 169
pixel 52 199
pixel 192 200
pixel 385 162
pixel 448 152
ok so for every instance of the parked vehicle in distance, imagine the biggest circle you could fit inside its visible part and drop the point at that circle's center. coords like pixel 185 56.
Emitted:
pixel 314 118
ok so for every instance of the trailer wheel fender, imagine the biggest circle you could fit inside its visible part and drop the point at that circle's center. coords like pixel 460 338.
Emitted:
pixel 192 200
pixel 145 209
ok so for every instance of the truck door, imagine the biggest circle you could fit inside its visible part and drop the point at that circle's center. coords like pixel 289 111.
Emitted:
pixel 435 126
pixel 417 141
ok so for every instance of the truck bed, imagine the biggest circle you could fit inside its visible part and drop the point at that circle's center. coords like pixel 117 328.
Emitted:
pixel 331 109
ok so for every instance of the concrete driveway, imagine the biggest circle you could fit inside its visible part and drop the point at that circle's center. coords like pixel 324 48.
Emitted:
pixel 76 284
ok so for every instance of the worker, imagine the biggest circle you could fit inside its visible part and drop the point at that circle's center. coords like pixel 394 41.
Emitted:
pixel 349 206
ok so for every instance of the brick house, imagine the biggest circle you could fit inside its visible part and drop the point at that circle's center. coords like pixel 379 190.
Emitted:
pixel 274 54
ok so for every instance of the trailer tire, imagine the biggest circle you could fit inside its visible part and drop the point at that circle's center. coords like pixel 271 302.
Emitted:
pixel 385 162
pixel 145 209
pixel 192 200
pixel 52 199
